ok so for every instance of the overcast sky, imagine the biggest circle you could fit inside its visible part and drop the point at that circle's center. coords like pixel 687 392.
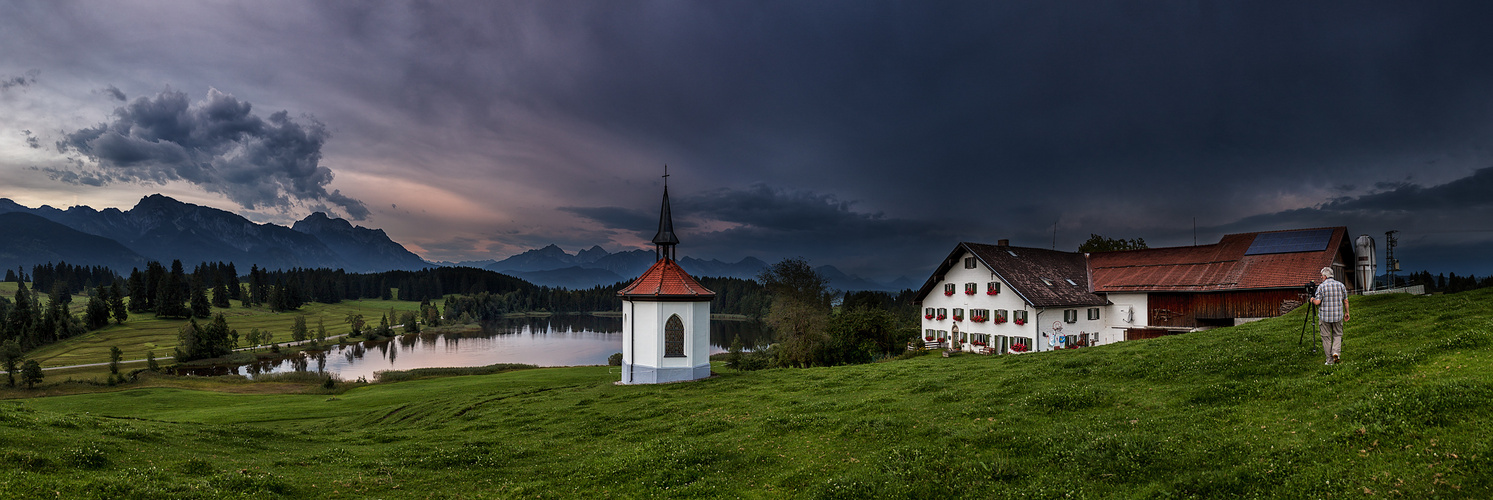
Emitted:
pixel 873 136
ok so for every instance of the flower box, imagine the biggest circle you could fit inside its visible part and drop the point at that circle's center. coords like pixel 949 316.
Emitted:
pixel 1018 347
pixel 941 317
pixel 969 292
pixel 977 319
pixel 958 318
pixel 981 344
pixel 999 320
pixel 927 316
pixel 1020 321
pixel 991 292
pixel 948 293
pixel 929 339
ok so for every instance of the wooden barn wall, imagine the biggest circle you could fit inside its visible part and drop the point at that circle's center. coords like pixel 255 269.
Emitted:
pixel 1184 309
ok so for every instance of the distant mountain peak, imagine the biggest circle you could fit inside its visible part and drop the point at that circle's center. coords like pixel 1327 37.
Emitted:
pixel 162 228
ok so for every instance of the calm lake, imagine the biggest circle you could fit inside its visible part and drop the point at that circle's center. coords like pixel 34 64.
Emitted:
pixel 568 340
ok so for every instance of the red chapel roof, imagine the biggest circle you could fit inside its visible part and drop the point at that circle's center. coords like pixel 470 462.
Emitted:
pixel 666 280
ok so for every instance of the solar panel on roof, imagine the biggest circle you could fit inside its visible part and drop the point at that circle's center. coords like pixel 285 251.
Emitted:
pixel 1306 240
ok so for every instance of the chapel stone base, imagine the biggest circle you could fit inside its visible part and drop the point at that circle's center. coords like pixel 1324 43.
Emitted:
pixel 642 374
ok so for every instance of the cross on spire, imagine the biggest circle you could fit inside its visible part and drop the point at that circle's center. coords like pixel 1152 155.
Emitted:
pixel 665 240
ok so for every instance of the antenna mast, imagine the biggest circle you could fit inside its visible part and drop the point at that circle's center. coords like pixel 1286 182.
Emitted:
pixel 1391 264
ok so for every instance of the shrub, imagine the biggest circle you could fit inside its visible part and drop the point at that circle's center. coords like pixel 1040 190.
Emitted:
pixel 615 359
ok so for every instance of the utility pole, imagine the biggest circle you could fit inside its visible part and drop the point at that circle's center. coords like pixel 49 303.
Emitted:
pixel 1391 264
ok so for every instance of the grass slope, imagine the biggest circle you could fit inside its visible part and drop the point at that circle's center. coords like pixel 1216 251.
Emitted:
pixel 1232 412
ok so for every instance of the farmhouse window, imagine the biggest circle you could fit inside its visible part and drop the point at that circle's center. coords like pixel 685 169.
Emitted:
pixel 948 288
pixel 1001 315
pixel 969 262
pixel 942 312
pixel 1093 313
pixel 970 288
pixel 993 287
pixel 1019 316
pixel 1070 315
pixel 958 313
pixel 674 337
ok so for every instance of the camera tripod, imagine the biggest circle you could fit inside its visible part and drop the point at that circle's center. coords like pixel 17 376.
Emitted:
pixel 1307 322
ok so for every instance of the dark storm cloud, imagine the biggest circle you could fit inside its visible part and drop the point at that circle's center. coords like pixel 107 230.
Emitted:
pixel 218 144
pixel 1471 192
pixel 1076 87
pixel 19 81
pixel 624 219
pixel 1463 203
pixel 771 223
pixel 1442 228
pixel 113 93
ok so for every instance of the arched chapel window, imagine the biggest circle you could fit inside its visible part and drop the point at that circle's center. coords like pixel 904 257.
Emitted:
pixel 674 337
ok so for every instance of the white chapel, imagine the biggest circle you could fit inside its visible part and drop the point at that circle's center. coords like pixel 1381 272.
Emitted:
pixel 665 317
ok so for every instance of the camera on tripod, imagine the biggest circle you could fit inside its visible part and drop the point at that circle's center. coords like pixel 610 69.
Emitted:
pixel 1311 288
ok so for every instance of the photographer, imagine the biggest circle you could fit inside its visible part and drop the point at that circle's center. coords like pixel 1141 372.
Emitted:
pixel 1332 297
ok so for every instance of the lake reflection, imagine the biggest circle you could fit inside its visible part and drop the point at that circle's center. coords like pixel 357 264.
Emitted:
pixel 568 340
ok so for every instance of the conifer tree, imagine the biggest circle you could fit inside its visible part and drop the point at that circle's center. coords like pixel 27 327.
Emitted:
pixel 116 303
pixel 97 314
pixel 298 330
pixel 115 355
pixel 220 296
pixel 201 306
pixel 139 296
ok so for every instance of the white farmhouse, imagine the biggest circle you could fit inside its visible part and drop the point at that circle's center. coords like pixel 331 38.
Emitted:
pixel 999 298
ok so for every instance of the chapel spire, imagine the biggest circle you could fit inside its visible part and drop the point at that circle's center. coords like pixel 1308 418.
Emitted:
pixel 665 239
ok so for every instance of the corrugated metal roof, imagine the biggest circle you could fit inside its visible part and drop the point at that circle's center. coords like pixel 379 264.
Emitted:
pixel 1216 267
pixel 666 280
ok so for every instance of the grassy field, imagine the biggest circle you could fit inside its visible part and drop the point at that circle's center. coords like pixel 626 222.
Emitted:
pixel 1235 412
pixel 143 333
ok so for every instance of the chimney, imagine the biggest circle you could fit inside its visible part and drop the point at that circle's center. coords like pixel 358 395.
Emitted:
pixel 1003 243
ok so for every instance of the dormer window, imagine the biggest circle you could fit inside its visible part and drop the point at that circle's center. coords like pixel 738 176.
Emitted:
pixel 1070 282
pixel 1046 281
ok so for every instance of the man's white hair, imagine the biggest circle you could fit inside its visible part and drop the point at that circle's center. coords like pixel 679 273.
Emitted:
pixel 1327 272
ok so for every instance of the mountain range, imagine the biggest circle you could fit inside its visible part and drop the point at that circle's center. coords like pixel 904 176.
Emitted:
pixel 553 266
pixel 163 229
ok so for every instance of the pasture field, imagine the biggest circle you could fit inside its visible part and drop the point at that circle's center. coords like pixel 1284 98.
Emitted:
pixel 1232 412
pixel 143 332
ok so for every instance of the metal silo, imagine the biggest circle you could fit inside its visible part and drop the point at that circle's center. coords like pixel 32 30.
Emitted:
pixel 1368 263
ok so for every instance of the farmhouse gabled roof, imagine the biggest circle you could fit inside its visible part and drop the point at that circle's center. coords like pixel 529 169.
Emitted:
pixel 1040 276
pixel 666 281
pixel 1225 265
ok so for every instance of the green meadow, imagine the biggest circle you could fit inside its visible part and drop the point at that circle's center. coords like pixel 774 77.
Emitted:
pixel 144 333
pixel 1233 412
